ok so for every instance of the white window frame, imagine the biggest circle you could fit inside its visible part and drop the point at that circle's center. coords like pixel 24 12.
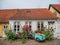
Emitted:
pixel 40 24
pixel 16 23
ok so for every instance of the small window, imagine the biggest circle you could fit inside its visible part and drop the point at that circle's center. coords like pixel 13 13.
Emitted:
pixel 5 26
pixel 41 24
pixel 30 25
pixel 51 22
pixel 38 25
pixel 16 26
pixel 14 29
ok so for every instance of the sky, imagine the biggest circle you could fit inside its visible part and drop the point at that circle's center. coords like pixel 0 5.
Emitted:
pixel 16 4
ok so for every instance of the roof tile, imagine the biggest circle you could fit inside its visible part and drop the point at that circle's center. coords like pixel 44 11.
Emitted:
pixel 43 13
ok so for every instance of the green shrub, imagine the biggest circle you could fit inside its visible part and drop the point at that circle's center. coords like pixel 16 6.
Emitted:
pixel 24 36
pixel 49 34
pixel 10 35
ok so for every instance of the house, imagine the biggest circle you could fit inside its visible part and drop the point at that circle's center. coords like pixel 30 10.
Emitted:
pixel 5 15
pixel 15 19
pixel 55 8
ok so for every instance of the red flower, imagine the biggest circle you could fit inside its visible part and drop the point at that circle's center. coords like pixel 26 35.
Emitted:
pixel 26 27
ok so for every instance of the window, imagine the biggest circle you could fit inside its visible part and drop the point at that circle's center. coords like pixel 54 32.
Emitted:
pixel 30 25
pixel 51 22
pixel 16 26
pixel 38 25
pixel 42 27
pixel 5 26
pixel 41 24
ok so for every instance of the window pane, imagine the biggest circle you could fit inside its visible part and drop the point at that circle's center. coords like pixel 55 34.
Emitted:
pixel 41 24
pixel 38 26
pixel 30 26
pixel 4 26
pixel 18 27
pixel 14 27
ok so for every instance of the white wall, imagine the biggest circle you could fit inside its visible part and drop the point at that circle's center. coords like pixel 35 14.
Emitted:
pixel 33 22
pixel 57 31
pixel 22 23
pixel 34 26
pixel 56 25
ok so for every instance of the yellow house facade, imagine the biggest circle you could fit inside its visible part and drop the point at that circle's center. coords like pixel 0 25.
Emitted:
pixel 2 27
pixel 55 8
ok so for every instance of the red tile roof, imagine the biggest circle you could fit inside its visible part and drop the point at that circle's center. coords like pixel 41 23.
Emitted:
pixel 5 15
pixel 34 14
pixel 56 6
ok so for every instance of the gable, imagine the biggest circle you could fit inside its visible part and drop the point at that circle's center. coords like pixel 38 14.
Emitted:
pixel 55 6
